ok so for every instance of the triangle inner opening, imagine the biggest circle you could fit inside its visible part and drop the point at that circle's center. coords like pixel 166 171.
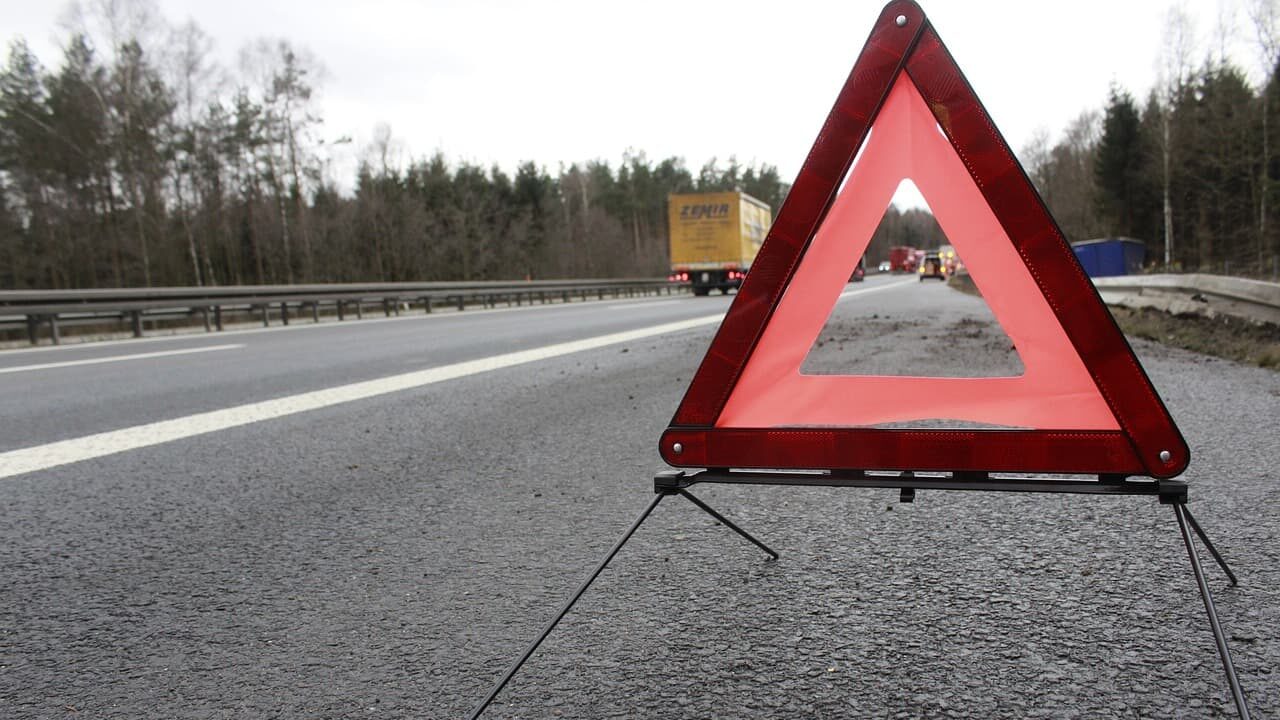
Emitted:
pixel 919 330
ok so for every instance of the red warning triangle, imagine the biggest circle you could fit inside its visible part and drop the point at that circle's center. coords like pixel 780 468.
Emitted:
pixel 1083 404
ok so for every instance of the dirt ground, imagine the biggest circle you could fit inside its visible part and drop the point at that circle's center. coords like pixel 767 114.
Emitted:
pixel 1225 337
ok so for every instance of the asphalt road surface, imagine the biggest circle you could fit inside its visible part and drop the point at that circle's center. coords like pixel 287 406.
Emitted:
pixel 372 519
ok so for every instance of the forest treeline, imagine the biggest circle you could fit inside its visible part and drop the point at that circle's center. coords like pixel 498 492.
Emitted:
pixel 138 160
pixel 1193 175
pixel 1192 167
pixel 1192 170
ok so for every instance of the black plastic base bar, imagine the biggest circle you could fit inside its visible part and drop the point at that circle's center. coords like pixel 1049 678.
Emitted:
pixel 564 609
pixel 1224 651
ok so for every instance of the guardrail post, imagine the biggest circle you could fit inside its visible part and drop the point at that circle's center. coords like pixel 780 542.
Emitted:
pixel 33 329
pixel 315 311
pixel 359 308
pixel 339 304
pixel 266 315
pixel 204 315
pixel 426 304
pixel 386 307
pixel 135 318
pixel 284 313
pixel 462 303
pixel 217 317
pixel 53 330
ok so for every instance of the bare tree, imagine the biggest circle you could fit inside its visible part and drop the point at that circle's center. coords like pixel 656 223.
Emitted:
pixel 284 80
pixel 111 24
pixel 1174 68
pixel 1265 17
pixel 194 79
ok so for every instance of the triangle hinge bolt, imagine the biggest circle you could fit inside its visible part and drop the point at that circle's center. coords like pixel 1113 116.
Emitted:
pixel 901 20
pixel 677 448
pixel 1165 455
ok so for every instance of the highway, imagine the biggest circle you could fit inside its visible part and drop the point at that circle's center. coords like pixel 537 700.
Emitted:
pixel 373 518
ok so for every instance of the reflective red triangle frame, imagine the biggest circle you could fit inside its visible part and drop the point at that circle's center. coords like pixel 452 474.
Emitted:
pixel 1148 442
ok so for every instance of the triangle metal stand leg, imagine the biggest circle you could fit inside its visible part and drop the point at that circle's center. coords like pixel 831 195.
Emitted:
pixel 1186 511
pixel 1185 519
pixel 725 521
pixel 661 492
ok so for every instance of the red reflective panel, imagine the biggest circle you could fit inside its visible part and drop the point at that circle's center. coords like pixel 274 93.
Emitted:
pixel 811 194
pixel 1101 345
pixel 1031 451
pixel 1055 391
pixel 1123 428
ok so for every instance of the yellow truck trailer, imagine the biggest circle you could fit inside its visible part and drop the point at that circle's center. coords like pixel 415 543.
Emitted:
pixel 714 238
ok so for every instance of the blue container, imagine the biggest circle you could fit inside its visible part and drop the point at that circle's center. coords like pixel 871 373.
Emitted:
pixel 1111 256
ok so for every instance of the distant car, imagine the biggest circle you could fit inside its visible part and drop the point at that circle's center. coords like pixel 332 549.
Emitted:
pixel 859 272
pixel 884 266
pixel 931 267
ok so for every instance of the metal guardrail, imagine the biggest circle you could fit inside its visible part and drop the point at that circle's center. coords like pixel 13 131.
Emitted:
pixel 1195 293
pixel 36 309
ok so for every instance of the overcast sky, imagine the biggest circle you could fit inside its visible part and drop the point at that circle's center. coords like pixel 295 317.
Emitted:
pixel 561 81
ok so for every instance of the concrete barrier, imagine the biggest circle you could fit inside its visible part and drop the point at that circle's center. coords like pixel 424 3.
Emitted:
pixel 1195 293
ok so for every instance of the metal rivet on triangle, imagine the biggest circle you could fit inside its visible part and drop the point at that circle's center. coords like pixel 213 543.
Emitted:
pixel 901 20
pixel 677 448
pixel 1165 455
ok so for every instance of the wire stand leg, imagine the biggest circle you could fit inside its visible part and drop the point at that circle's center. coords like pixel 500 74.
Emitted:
pixel 726 522
pixel 1212 550
pixel 565 608
pixel 1179 510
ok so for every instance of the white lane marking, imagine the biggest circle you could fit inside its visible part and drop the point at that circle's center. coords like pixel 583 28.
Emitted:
pixel 43 457
pixel 641 306
pixel 116 358
pixel 850 293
